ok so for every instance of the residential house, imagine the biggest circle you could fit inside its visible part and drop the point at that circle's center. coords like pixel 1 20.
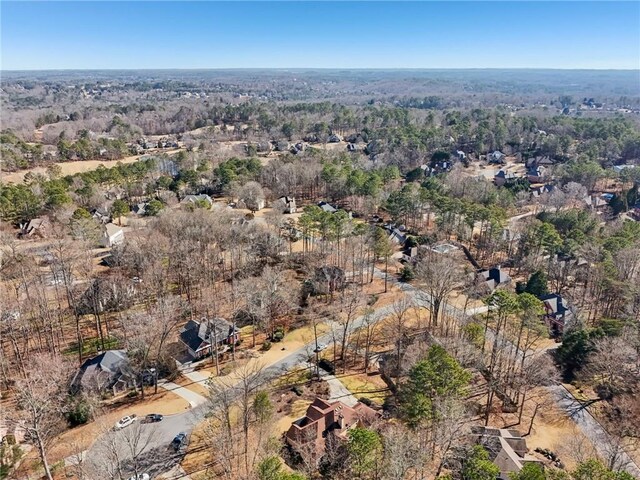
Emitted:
pixel 323 420
pixel 101 215
pixel 540 189
pixel 327 207
pixel 111 235
pixel 373 148
pixel 439 166
pixel 409 254
pixel 396 234
pixel 595 202
pixel 536 174
pixel 140 208
pixel 193 199
pixel 109 371
pixel 503 177
pixel 253 204
pixel 352 147
pixel 289 204
pixel 261 147
pixel 492 278
pixel 621 168
pixel 354 138
pixel 199 337
pixel 297 148
pixel 280 145
pixel 507 449
pixel 114 193
pixel 36 227
pixel 538 161
pixel 557 314
pixel 497 157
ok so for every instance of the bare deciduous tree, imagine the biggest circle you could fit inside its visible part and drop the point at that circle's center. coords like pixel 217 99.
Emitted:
pixel 438 275
pixel 41 400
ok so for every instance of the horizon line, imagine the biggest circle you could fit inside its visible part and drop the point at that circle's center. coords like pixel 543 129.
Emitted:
pixel 94 69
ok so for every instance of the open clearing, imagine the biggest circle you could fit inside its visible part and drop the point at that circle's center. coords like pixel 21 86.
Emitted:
pixel 71 168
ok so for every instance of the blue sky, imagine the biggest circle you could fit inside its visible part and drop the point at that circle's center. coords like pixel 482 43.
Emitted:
pixel 84 35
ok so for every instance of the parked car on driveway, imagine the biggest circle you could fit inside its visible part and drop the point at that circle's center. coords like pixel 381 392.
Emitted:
pixel 179 441
pixel 140 476
pixel 153 418
pixel 125 422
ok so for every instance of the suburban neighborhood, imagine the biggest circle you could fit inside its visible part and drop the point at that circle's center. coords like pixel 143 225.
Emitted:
pixel 398 272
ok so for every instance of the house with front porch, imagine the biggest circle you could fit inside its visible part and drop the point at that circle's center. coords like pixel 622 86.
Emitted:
pixel 199 337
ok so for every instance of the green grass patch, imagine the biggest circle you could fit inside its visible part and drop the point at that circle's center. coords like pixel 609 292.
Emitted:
pixel 92 346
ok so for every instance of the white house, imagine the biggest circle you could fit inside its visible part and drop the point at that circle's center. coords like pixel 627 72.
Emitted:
pixel 111 235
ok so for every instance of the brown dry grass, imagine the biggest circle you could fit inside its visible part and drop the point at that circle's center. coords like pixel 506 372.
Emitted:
pixel 71 168
pixel 362 385
pixel 551 429
pixel 82 437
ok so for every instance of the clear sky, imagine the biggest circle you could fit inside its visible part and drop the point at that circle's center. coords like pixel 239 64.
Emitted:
pixel 97 35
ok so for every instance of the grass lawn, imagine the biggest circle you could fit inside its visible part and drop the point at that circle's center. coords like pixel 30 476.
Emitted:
pixel 363 385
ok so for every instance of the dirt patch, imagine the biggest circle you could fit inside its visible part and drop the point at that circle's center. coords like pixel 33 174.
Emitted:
pixel 71 168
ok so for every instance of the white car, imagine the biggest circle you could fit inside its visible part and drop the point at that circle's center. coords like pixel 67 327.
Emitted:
pixel 140 476
pixel 125 422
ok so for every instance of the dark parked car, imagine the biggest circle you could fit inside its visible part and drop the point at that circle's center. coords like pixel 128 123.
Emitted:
pixel 179 441
pixel 153 418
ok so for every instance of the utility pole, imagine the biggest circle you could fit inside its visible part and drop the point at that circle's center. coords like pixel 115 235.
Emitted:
pixel 214 347
pixel 317 349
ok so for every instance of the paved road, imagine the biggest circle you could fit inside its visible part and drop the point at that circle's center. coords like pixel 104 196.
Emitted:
pixel 157 457
pixel 591 428
pixel 158 460
pixel 576 411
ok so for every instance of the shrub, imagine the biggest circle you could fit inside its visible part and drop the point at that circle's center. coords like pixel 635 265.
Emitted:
pixel 266 346
pixel 80 413
pixel 278 334
pixel 407 274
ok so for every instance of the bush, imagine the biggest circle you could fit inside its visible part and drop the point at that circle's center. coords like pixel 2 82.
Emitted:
pixel 132 394
pixel 278 334
pixel 80 413
pixel 407 274
pixel 366 401
pixel 266 346
pixel 297 390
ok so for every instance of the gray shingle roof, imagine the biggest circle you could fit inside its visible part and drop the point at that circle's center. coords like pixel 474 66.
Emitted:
pixel 198 334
